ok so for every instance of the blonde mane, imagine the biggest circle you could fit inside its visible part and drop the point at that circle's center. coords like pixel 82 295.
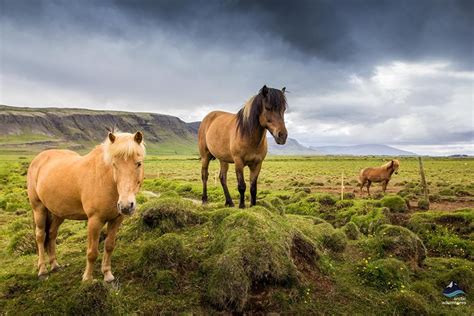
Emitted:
pixel 246 109
pixel 124 146
pixel 388 164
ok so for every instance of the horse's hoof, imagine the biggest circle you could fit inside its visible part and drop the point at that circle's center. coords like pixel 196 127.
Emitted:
pixel 56 268
pixel 229 204
pixel 109 278
pixel 43 276
pixel 242 206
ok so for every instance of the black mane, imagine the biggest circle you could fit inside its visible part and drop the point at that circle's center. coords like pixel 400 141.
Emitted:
pixel 275 99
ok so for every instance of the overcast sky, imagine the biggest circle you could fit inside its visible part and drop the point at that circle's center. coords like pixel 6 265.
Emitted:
pixel 389 72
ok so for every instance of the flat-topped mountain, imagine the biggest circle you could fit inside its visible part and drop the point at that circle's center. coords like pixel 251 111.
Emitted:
pixel 79 128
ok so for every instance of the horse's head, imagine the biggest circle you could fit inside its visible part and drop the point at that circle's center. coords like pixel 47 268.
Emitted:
pixel 272 116
pixel 395 165
pixel 125 152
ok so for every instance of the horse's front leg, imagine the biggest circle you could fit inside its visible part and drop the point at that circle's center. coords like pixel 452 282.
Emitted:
pixel 94 226
pixel 112 229
pixel 239 171
pixel 384 186
pixel 254 172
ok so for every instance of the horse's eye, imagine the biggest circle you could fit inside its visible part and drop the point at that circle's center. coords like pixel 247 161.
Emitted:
pixel 139 164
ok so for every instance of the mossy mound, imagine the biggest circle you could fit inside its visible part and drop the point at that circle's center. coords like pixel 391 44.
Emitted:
pixel 395 203
pixel 167 252
pixel 169 214
pixel 446 234
pixel 463 276
pixel 92 298
pixel 336 241
pixel 164 281
pixel 424 204
pixel 385 274
pixel 351 230
pixel 253 248
pixel 23 243
pixel 401 243
pixel 408 303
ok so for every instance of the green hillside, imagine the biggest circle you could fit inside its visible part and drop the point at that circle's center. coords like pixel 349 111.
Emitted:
pixel 26 130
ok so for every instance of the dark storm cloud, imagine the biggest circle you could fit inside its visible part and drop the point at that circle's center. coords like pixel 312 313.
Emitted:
pixel 349 31
pixel 339 31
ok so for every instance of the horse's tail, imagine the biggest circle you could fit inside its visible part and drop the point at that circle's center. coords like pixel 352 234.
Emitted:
pixel 47 226
pixel 360 180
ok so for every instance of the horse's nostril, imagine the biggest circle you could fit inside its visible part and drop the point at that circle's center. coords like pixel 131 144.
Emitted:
pixel 131 205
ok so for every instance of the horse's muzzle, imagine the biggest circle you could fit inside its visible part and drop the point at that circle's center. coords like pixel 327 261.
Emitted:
pixel 280 137
pixel 126 209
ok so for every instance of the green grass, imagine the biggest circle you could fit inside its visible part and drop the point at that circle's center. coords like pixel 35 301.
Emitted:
pixel 300 251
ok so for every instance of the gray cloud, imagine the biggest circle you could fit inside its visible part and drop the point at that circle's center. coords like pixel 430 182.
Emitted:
pixel 358 71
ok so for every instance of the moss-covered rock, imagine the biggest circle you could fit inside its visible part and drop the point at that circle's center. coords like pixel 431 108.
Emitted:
pixel 395 203
pixel 402 243
pixel 385 274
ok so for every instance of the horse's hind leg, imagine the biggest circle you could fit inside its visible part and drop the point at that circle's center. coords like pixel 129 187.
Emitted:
pixel 239 171
pixel 112 228
pixel 254 172
pixel 204 175
pixel 223 178
pixel 368 187
pixel 361 184
pixel 51 246
pixel 40 214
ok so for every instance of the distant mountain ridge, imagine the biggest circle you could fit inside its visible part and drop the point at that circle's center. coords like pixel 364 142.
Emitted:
pixel 25 129
pixel 363 150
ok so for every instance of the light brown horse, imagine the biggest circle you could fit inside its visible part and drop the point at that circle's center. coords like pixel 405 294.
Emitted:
pixel 378 174
pixel 241 139
pixel 99 187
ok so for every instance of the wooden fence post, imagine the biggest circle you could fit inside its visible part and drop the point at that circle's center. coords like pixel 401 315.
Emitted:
pixel 342 186
pixel 423 179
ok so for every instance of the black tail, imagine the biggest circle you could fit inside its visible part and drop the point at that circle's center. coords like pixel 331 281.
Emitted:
pixel 47 226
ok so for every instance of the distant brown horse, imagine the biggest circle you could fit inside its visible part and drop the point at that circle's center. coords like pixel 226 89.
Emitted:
pixel 241 139
pixel 99 187
pixel 378 174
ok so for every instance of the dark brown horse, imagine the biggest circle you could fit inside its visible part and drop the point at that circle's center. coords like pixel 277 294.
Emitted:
pixel 378 174
pixel 241 139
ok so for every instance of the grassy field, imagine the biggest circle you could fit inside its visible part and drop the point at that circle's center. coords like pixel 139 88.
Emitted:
pixel 301 250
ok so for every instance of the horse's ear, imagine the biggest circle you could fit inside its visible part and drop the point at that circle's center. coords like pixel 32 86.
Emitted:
pixel 138 137
pixel 391 163
pixel 264 90
pixel 111 137
pixel 283 89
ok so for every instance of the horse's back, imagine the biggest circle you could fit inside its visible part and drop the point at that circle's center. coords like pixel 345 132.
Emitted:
pixel 214 135
pixel 50 173
pixel 371 173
